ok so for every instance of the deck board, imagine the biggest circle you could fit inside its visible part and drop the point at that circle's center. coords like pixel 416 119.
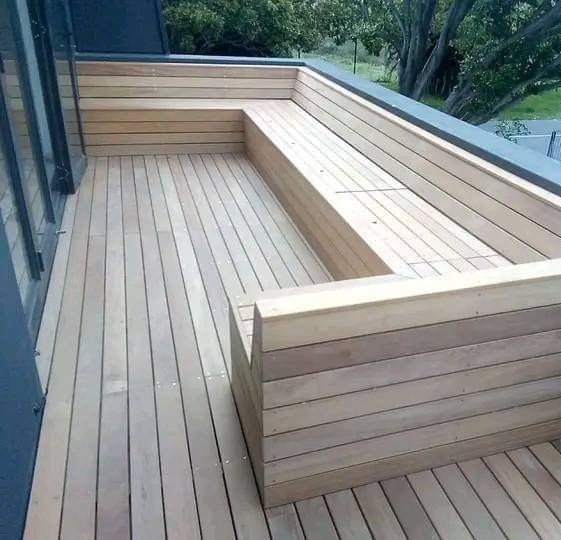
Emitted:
pixel 141 436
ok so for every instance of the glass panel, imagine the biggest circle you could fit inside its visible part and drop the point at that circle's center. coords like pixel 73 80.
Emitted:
pixel 12 225
pixel 62 44
pixel 20 112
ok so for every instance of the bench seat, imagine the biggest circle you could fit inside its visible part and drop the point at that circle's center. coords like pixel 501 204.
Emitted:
pixel 409 236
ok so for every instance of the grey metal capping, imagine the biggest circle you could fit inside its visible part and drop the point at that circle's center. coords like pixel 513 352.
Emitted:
pixel 191 59
pixel 521 161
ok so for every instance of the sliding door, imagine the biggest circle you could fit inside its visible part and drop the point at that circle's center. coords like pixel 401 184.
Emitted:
pixel 42 137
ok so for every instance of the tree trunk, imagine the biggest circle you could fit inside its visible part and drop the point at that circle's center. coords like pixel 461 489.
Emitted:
pixel 415 69
pixel 456 14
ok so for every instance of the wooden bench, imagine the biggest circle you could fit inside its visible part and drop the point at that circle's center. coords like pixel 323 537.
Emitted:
pixel 342 386
pixel 518 219
pixel 376 375
pixel 359 218
pixel 444 368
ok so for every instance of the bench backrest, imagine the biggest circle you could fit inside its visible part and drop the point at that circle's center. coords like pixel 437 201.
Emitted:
pixel 359 384
pixel 185 81
pixel 518 219
pixel 134 108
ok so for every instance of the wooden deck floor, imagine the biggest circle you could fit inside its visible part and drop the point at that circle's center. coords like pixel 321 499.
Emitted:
pixel 140 434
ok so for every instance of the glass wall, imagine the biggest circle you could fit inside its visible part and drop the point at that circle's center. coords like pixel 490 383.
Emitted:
pixel 12 221
pixel 42 156
pixel 24 101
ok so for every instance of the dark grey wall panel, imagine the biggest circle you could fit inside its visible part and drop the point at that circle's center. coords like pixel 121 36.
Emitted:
pixel 118 26
pixel 21 402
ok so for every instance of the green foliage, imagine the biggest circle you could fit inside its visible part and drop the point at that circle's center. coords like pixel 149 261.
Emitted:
pixel 476 55
pixel 479 77
pixel 525 68
pixel 241 27
pixel 340 20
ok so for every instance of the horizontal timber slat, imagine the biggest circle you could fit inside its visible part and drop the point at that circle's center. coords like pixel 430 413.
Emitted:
pixel 288 322
pixel 154 69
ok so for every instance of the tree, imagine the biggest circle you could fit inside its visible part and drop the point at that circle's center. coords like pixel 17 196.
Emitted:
pixel 342 21
pixel 510 49
pixel 502 50
pixel 241 27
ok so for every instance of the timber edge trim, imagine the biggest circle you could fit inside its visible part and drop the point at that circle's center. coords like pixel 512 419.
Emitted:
pixel 316 317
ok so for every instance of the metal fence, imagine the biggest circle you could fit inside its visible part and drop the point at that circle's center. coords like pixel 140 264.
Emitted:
pixel 554 149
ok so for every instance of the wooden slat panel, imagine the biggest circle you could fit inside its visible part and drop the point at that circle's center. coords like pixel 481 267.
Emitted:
pixel 162 127
pixel 523 196
pixel 157 93
pixel 153 149
pixel 164 117
pixel 319 181
pixel 411 462
pixel 372 425
pixel 89 81
pixel 363 139
pixel 381 372
pixel 131 139
pixel 154 69
pixel 315 225
pixel 507 188
pixel 359 350
pixel 351 454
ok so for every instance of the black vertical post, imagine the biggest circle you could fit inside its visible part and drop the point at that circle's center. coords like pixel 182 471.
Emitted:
pixel 355 56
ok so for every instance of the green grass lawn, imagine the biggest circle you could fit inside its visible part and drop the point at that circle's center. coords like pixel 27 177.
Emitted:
pixel 542 106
